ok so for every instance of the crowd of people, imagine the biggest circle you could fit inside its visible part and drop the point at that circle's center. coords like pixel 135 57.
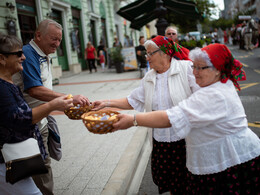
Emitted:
pixel 246 34
pixel 200 139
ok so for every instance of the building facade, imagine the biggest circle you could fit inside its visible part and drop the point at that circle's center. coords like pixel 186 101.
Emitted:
pixel 82 21
pixel 232 7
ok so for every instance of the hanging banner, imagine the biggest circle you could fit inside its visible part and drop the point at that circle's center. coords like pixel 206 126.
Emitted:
pixel 129 58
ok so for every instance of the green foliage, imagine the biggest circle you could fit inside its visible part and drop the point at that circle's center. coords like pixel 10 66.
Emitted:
pixel 206 7
pixel 187 24
pixel 222 23
pixel 116 55
pixel 208 41
pixel 191 44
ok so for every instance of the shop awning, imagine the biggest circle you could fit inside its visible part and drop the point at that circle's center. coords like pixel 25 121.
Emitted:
pixel 142 12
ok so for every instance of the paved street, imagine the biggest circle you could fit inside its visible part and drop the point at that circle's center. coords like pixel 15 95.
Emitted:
pixel 88 159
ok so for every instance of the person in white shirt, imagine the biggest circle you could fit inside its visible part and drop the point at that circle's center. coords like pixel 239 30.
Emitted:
pixel 169 81
pixel 222 152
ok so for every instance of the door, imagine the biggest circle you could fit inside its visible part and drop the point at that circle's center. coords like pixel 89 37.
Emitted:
pixel 78 37
pixel 92 35
pixel 61 50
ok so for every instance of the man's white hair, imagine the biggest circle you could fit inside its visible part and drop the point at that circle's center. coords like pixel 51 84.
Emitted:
pixel 171 27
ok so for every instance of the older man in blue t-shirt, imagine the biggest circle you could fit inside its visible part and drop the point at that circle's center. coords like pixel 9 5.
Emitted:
pixel 36 82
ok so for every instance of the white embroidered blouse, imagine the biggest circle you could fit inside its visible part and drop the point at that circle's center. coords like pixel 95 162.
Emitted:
pixel 161 99
pixel 213 122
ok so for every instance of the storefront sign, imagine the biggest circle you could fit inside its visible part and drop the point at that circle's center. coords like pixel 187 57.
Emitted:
pixel 130 58
pixel 244 17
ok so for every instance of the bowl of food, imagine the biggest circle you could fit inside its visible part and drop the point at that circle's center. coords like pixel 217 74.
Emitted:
pixel 100 122
pixel 75 112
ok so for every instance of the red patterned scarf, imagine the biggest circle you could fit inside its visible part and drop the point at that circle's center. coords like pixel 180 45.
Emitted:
pixel 171 48
pixel 223 60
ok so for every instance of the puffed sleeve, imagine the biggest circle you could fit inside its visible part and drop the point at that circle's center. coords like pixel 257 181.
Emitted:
pixel 202 108
pixel 137 97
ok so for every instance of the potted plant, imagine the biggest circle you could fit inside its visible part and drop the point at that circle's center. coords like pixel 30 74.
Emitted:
pixel 117 59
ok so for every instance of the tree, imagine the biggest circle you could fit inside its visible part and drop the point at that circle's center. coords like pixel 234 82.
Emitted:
pixel 187 24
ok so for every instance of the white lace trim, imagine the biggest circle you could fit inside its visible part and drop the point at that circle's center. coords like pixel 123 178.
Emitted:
pixel 223 153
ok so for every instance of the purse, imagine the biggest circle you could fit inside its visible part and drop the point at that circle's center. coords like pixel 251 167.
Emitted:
pixel 54 143
pixel 22 160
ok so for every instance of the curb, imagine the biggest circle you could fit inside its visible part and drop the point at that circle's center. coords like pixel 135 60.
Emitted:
pixel 128 174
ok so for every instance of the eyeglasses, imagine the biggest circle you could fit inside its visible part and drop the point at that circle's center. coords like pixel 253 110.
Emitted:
pixel 150 54
pixel 171 33
pixel 17 53
pixel 200 68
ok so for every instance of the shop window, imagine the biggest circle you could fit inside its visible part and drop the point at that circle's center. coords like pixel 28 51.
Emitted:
pixel 27 19
pixel 27 27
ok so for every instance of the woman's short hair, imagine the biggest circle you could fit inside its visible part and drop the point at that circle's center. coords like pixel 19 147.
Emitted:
pixel 8 43
pixel 150 43
pixel 153 44
pixel 197 53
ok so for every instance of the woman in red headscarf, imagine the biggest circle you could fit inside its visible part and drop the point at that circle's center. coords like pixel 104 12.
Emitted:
pixel 169 82
pixel 222 152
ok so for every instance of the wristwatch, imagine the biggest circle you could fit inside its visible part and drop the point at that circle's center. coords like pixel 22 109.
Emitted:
pixel 135 122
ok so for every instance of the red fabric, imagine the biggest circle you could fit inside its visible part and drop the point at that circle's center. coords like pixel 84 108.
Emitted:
pixel 171 48
pixel 223 60
pixel 101 59
pixel 90 53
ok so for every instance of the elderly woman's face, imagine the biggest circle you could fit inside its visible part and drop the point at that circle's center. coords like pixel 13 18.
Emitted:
pixel 14 60
pixel 205 75
pixel 154 58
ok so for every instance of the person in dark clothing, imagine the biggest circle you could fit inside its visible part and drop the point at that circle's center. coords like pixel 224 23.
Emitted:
pixel 140 53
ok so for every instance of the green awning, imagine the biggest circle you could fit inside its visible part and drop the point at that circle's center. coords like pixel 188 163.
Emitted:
pixel 142 12
pixel 142 20
pixel 136 9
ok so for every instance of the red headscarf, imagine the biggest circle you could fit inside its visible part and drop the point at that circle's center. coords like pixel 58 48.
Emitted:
pixel 171 48
pixel 223 60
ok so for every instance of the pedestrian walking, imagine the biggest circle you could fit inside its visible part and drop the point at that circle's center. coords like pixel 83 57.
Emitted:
pixel 247 33
pixel 91 56
pixel 102 60
pixel 222 152
pixel 140 54
pixel 36 82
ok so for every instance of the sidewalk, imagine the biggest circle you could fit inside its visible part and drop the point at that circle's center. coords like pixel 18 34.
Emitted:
pixel 99 164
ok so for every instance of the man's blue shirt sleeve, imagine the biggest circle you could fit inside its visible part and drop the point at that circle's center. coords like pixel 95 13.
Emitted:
pixel 31 68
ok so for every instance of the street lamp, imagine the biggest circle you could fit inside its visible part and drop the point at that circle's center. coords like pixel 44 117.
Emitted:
pixel 160 12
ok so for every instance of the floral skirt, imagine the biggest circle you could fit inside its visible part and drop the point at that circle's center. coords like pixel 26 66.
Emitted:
pixel 168 165
pixel 240 179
